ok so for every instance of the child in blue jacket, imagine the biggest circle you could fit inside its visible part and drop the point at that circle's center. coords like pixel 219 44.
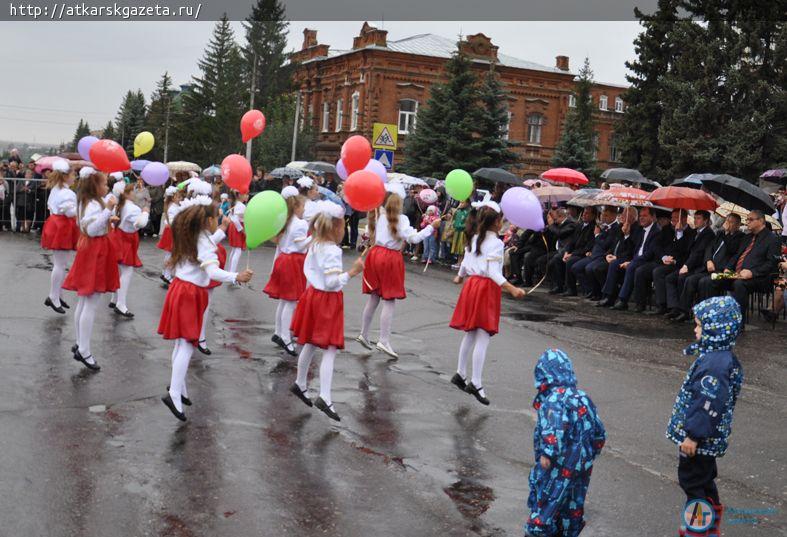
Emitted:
pixel 568 437
pixel 702 416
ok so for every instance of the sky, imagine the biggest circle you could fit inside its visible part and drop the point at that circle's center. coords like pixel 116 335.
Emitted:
pixel 58 72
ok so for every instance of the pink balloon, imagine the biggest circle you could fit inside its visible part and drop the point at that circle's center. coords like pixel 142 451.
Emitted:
pixel 522 208
pixel 428 196
pixel 155 173
pixel 376 167
pixel 341 171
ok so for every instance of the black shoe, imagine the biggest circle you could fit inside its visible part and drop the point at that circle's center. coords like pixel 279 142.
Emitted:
pixel 126 314
pixel 183 399
pixel 476 392
pixel 568 293
pixel 660 310
pixel 295 389
pixel 671 314
pixel 279 341
pixel 48 302
pixel 327 410
pixel 770 316
pixel 639 308
pixel 683 317
pixel 289 348
pixel 605 303
pixel 63 304
pixel 79 358
pixel 167 400
pixel 202 346
pixel 163 279
pixel 621 306
pixel 74 348
pixel 458 381
pixel 595 298
pixel 112 305
pixel 556 291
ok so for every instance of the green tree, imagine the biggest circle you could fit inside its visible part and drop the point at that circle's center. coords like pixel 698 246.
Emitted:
pixel 266 38
pixel 83 129
pixel 109 131
pixel 493 123
pixel 275 147
pixel 130 119
pixel 159 114
pixel 575 147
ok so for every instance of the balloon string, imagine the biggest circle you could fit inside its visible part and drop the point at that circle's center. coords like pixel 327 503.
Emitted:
pixel 248 257
pixel 544 277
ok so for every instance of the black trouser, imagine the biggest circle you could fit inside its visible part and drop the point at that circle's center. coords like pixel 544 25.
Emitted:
pixel 696 475
pixel 570 277
pixel 533 259
pixel 643 278
pixel 556 268
pixel 741 289
pixel 686 291
pixel 517 259
pixel 660 275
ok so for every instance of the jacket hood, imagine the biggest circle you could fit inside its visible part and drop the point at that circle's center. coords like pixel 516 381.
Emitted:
pixel 554 369
pixel 721 321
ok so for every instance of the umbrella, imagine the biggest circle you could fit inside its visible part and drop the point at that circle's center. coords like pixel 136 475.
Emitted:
pixel 740 192
pixel 727 208
pixel 534 183
pixel 183 166
pixel 45 163
pixel 624 196
pixel 693 180
pixel 330 195
pixel 778 175
pixel 297 164
pixel 406 180
pixel 211 171
pixel 585 197
pixel 292 173
pixel 565 175
pixel 617 175
pixel 497 175
pixel 688 199
pixel 322 167
pixel 70 156
pixel 553 194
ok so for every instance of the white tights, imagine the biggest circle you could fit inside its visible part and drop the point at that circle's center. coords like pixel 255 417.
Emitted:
pixel 326 370
pixel 119 298
pixel 233 259
pixel 84 316
pixel 476 342
pixel 205 317
pixel 166 272
pixel 60 259
pixel 386 318
pixel 181 356
pixel 284 313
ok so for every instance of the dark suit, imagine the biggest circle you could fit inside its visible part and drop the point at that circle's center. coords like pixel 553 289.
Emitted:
pixel 561 239
pixel 623 249
pixel 665 244
pixel 536 255
pixel 695 263
pixel 644 252
pixel 584 269
pixel 581 245
pixel 700 283
pixel 679 250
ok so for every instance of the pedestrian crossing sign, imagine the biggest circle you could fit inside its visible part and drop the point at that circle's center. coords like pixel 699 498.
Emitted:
pixel 385 157
pixel 384 136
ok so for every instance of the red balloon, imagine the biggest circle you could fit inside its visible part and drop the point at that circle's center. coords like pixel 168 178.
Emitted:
pixel 364 191
pixel 236 172
pixel 109 156
pixel 356 152
pixel 252 124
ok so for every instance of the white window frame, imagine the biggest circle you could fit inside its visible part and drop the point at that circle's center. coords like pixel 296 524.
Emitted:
pixel 507 129
pixel 355 103
pixel 410 117
pixel 603 103
pixel 326 116
pixel 339 114
pixel 572 100
pixel 618 105
pixel 534 128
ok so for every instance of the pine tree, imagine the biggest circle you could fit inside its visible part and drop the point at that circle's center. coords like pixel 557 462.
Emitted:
pixel 130 119
pixel 493 124
pixel 575 147
pixel 109 131
pixel 83 129
pixel 159 113
pixel 266 39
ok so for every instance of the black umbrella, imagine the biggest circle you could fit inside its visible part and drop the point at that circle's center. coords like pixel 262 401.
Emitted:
pixel 498 175
pixel 322 167
pixel 626 175
pixel 693 180
pixel 740 192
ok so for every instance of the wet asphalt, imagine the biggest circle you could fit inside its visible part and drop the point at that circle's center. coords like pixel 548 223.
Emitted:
pixel 86 454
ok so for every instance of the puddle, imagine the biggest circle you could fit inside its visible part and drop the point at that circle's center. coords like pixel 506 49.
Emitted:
pixel 527 316
pixel 387 459
pixel 242 353
pixel 471 499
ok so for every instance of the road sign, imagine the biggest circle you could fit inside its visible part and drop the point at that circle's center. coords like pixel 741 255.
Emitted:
pixel 384 136
pixel 385 157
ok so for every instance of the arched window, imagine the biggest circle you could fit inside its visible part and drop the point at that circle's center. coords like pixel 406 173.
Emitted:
pixel 408 108
pixel 534 124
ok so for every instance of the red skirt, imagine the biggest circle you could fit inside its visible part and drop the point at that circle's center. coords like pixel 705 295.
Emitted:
pixel 60 233
pixel 319 319
pixel 95 267
pixel 478 306
pixel 237 239
pixel 126 245
pixel 222 254
pixel 383 273
pixel 165 241
pixel 184 307
pixel 288 282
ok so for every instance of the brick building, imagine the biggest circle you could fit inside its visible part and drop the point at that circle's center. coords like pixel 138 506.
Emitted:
pixel 344 92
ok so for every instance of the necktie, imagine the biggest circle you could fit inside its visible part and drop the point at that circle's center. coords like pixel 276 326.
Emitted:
pixel 739 264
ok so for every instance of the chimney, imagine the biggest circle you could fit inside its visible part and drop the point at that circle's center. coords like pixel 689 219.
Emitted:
pixel 561 62
pixel 370 36
pixel 309 38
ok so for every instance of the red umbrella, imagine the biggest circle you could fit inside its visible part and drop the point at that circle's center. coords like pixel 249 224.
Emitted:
pixel 676 197
pixel 565 175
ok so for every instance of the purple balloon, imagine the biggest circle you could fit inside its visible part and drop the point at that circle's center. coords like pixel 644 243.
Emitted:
pixel 84 145
pixel 522 208
pixel 341 171
pixel 139 165
pixel 155 174
pixel 376 167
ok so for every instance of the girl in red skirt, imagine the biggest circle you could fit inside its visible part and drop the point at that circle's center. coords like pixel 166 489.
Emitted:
pixel 288 281
pixel 236 235
pixel 383 275
pixel 95 268
pixel 125 238
pixel 319 316
pixel 478 309
pixel 172 197
pixel 60 233
pixel 194 263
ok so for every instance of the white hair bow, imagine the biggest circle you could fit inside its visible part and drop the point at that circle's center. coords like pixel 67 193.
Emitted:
pixel 86 172
pixel 61 165
pixel 331 209
pixel 305 182
pixel 200 187
pixel 289 191
pixel 171 191
pixel 119 188
pixel 486 202
pixel 196 200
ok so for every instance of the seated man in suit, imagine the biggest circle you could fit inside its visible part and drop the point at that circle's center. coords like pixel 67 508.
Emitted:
pixel 609 278
pixel 606 233
pixel 581 245
pixel 536 256
pixel 561 231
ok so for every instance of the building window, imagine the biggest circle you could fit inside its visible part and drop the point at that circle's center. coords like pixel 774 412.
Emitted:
pixel 534 124
pixel 326 115
pixel 614 154
pixel 618 104
pixel 355 103
pixel 408 108
pixel 602 102
pixel 339 114
pixel 507 127
pixel 594 142
pixel 572 101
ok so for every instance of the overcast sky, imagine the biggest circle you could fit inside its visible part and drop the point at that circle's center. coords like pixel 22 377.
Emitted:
pixel 56 73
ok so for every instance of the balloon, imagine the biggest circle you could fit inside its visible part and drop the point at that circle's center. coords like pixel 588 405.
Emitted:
pixel 264 218
pixel 155 174
pixel 143 143
pixel 428 196
pixel 522 208
pixel 341 171
pixel 251 125
pixel 356 152
pixel 84 145
pixel 459 184
pixel 376 167
pixel 236 172
pixel 109 157
pixel 364 191
pixel 139 165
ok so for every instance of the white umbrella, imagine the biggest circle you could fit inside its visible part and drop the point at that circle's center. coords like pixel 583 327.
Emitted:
pixel 297 164
pixel 404 179
pixel 183 166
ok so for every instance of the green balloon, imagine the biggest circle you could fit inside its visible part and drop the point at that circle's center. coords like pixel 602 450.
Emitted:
pixel 264 218
pixel 459 184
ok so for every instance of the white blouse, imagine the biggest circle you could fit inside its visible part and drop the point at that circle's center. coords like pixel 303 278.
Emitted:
pixel 132 219
pixel 323 267
pixel 404 231
pixel 489 264
pixel 237 215
pixel 94 220
pixel 63 201
pixel 295 239
pixel 309 210
pixel 172 212
pixel 207 266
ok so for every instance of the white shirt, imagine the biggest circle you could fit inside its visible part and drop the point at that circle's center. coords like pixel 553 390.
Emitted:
pixel 238 210
pixel 309 210
pixel 62 200
pixel 207 266
pixel 644 238
pixel 132 219
pixel 489 264
pixel 94 220
pixel 172 212
pixel 323 267
pixel 405 232
pixel 295 239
